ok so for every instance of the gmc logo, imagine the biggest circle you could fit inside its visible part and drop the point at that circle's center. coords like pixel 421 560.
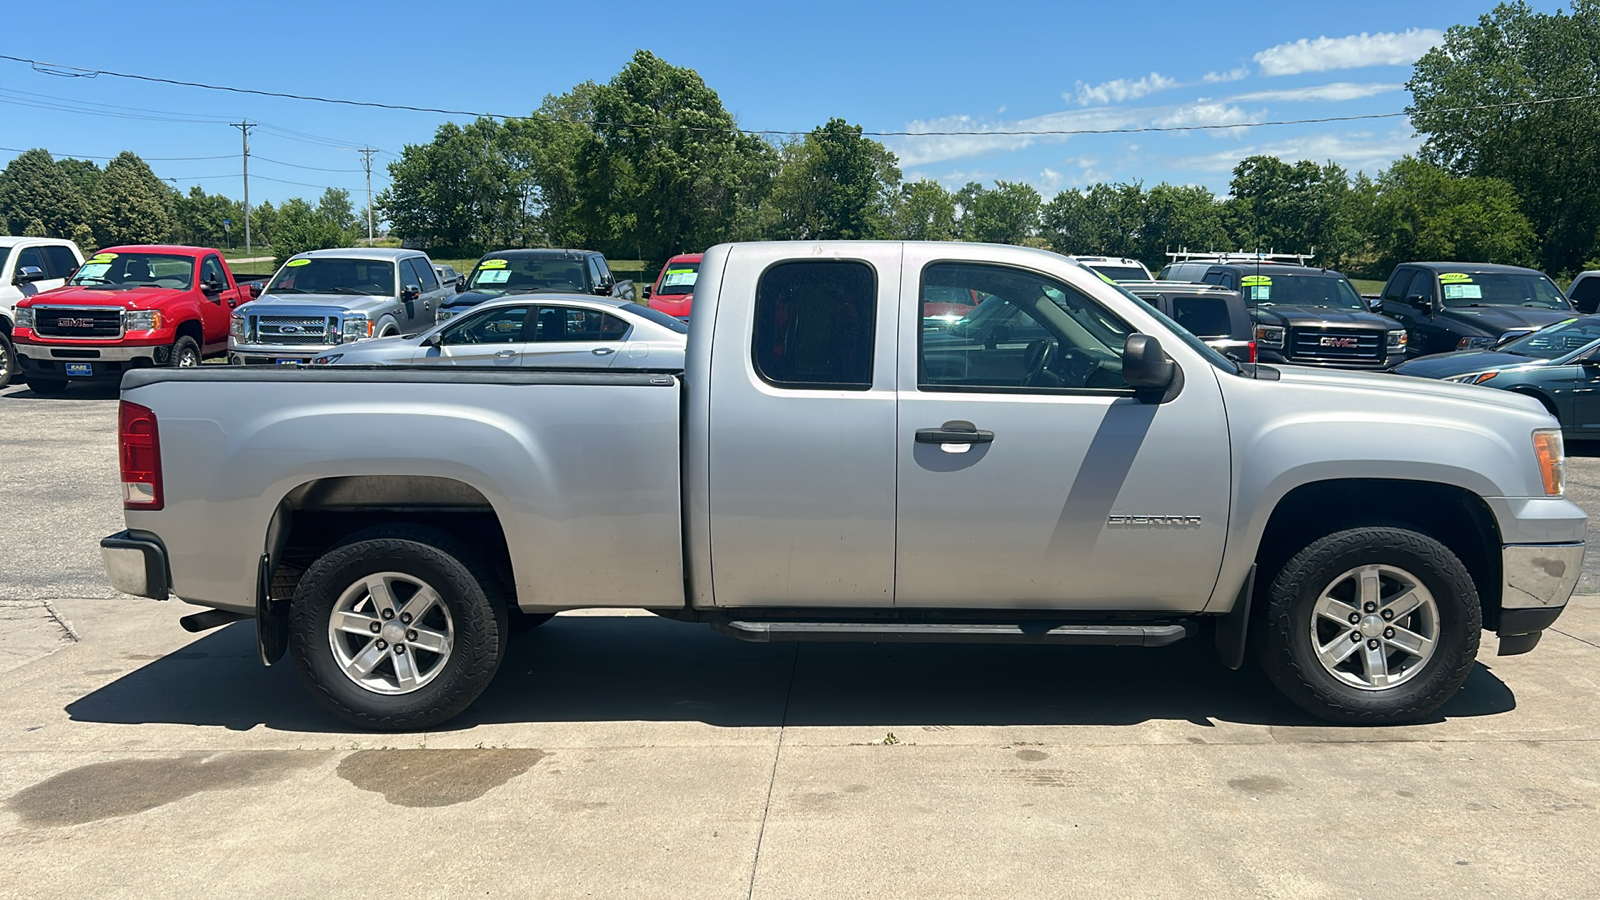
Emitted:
pixel 1346 343
pixel 74 323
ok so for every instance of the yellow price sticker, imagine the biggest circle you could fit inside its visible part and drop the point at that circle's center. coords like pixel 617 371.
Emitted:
pixel 297 262
pixel 1455 278
pixel 103 257
pixel 1255 280
pixel 492 264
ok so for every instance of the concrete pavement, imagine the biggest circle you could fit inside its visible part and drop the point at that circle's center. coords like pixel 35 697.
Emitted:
pixel 627 755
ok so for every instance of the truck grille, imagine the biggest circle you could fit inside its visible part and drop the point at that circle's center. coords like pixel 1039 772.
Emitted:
pixel 1336 344
pixel 293 331
pixel 77 322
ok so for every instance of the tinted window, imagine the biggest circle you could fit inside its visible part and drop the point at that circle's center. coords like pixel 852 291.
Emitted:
pixel 1396 288
pixel 1421 287
pixel 1586 294
pixel 425 277
pixel 32 256
pixel 658 317
pixel 1557 340
pixel 1213 278
pixel 211 270
pixel 565 323
pixel 1031 331
pixel 61 260
pixel 1203 316
pixel 500 326
pixel 595 278
pixel 814 325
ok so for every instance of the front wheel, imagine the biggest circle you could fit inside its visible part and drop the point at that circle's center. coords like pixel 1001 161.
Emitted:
pixel 1371 626
pixel 185 353
pixel 395 631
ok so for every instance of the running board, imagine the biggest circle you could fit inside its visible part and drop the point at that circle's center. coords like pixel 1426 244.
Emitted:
pixel 766 631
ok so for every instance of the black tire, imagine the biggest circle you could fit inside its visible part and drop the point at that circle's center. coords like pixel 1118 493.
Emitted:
pixel 477 618
pixel 1285 636
pixel 47 387
pixel 185 353
pixel 522 622
pixel 9 367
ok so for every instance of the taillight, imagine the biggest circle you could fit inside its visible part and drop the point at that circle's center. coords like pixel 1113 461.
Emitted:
pixel 1252 351
pixel 140 452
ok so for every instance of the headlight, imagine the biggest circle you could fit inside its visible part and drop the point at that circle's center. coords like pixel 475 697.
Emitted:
pixel 1472 377
pixel 1474 343
pixel 1549 450
pixel 236 327
pixel 24 317
pixel 327 359
pixel 141 320
pixel 1269 335
pixel 443 314
pixel 356 327
pixel 1397 340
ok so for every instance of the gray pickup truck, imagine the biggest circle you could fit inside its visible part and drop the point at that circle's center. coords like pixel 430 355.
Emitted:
pixel 322 299
pixel 826 468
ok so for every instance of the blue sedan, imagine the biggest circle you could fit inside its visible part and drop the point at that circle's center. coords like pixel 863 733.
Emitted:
pixel 1559 366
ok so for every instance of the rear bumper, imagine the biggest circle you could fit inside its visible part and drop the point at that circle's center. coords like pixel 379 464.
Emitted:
pixel 136 563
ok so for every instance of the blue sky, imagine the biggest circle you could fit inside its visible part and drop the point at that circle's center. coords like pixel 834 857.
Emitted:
pixel 994 66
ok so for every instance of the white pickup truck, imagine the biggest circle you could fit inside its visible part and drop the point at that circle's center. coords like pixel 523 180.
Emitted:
pixel 1061 465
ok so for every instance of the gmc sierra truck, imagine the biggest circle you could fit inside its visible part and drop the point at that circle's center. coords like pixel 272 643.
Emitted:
pixel 825 467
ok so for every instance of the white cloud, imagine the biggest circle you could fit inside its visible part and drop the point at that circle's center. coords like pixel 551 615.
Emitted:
pixel 1120 89
pixel 1238 74
pixel 1336 92
pixel 1203 113
pixel 1353 151
pixel 1050 180
pixel 1386 48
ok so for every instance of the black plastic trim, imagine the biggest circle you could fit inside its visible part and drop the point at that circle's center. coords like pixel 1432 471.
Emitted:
pixel 1234 625
pixel 1528 621
pixel 157 576
pixel 1041 632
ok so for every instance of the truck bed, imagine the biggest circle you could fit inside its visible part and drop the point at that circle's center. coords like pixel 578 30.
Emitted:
pixel 580 469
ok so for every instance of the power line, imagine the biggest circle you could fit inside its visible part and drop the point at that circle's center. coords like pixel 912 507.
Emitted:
pixel 297 183
pixel 145 158
pixel 65 71
pixel 313 168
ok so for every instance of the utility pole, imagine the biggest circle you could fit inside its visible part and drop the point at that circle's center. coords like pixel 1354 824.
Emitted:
pixel 244 133
pixel 366 162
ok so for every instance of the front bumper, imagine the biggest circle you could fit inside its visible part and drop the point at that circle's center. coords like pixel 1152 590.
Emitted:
pixel 1536 582
pixel 51 360
pixel 277 354
pixel 136 563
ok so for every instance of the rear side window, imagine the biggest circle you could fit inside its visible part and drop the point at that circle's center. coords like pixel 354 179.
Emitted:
pixel 1586 294
pixel 1205 317
pixel 62 262
pixel 814 325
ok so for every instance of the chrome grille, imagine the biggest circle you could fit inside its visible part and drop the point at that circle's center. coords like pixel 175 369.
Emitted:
pixel 77 322
pixel 292 331
pixel 1336 344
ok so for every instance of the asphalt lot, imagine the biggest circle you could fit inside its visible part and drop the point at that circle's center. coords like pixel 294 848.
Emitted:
pixel 627 755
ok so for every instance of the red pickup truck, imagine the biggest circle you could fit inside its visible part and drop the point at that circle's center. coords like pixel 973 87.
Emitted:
pixel 127 308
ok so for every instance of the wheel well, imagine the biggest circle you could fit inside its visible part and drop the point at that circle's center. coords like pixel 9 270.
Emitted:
pixel 320 514
pixel 1454 516
pixel 1549 405
pixel 191 328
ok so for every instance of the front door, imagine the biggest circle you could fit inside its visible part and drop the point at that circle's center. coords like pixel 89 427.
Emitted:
pixel 215 308
pixel 1029 476
pixel 495 337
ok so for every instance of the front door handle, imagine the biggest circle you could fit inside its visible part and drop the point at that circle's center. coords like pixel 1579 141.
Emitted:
pixel 954 432
pixel 504 354
pixel 602 351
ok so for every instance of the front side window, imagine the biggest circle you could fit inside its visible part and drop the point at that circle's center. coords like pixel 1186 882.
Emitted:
pixel 211 271
pixel 425 277
pixel 566 323
pixel 1396 289
pixel 500 326
pixel 1030 332
pixel 334 275
pixel 814 325
pixel 125 271
pixel 31 256
pixel 62 262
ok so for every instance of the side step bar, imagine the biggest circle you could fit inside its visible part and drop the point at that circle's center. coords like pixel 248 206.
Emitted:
pixel 767 631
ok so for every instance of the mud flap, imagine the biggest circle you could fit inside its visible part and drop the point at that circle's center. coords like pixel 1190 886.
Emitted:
pixel 1235 624
pixel 272 617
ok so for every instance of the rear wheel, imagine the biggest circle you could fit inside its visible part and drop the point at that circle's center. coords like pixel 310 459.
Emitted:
pixel 394 630
pixel 1371 626
pixel 8 360
pixel 185 353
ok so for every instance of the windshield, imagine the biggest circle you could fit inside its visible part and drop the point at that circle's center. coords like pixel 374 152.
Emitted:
pixel 1122 273
pixel 334 275
pixel 1558 340
pixel 658 317
pixel 1329 291
pixel 1500 289
pixel 497 277
pixel 678 279
pixel 123 271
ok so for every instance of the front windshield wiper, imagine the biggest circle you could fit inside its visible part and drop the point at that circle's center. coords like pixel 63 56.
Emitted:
pixel 285 290
pixel 345 290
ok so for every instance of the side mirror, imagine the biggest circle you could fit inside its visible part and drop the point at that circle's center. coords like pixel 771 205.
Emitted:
pixel 28 275
pixel 1423 305
pixel 648 290
pixel 211 287
pixel 461 283
pixel 410 292
pixel 1145 366
pixel 433 340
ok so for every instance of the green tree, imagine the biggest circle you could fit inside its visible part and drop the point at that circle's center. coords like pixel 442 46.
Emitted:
pixel 833 184
pixel 544 152
pixel 197 218
pixel 38 199
pixel 1299 208
pixel 666 170
pixel 459 193
pixel 1105 220
pixel 83 173
pixel 1178 218
pixel 925 211
pixel 1423 212
pixel 335 208
pixel 299 227
pixel 1009 214
pixel 130 204
pixel 263 224
pixel 1549 152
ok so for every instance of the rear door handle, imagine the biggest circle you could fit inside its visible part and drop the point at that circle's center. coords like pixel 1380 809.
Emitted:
pixel 504 354
pixel 954 432
pixel 602 351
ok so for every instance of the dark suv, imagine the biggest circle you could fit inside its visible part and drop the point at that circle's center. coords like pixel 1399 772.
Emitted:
pixel 1213 314
pixel 1306 316
pixel 506 272
pixel 1449 306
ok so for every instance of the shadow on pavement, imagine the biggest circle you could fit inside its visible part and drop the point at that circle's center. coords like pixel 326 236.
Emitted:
pixel 96 391
pixel 582 669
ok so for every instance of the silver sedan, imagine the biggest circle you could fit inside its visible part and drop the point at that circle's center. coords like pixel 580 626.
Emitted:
pixel 548 331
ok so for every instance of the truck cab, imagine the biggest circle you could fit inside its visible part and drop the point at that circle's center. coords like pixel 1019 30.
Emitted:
pixel 128 307
pixel 1448 306
pixel 29 266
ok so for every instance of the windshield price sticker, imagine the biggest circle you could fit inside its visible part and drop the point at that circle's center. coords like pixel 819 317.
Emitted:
pixel 679 276
pixel 297 262
pixel 95 268
pixel 492 276
pixel 492 264
pixel 1256 287
pixel 1460 291
pixel 1455 278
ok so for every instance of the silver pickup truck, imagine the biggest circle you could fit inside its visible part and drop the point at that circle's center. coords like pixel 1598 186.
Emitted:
pixel 827 468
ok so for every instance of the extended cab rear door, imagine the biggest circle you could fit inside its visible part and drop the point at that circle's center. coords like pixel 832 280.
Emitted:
pixel 1029 476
